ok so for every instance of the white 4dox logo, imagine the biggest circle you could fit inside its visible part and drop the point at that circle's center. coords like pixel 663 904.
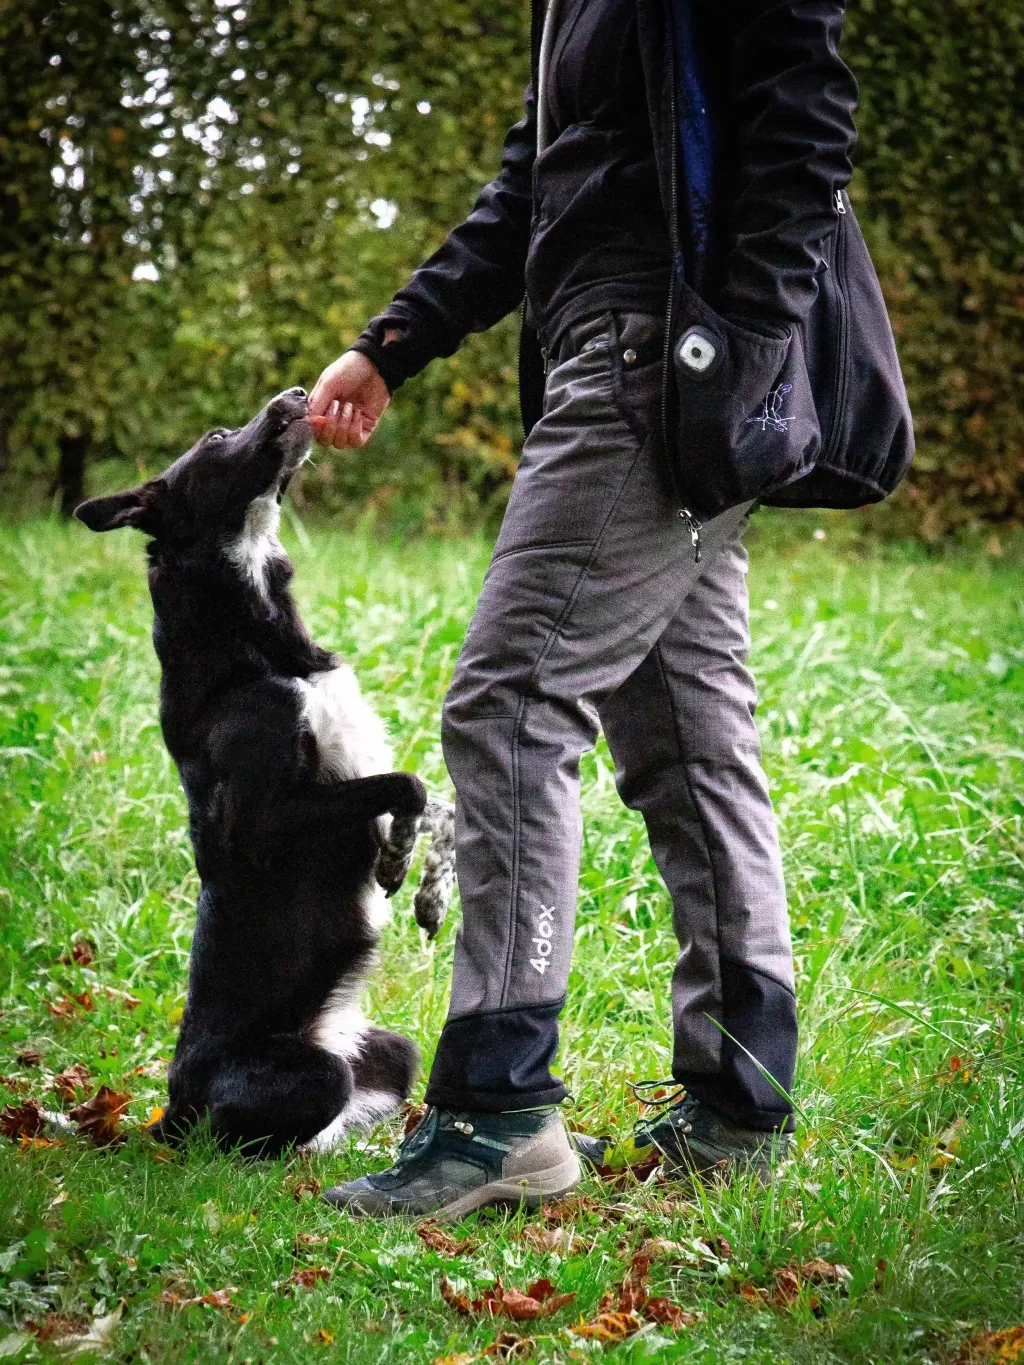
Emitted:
pixel 543 932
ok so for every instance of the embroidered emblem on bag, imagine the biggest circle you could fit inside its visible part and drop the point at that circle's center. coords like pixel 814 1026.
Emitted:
pixel 771 416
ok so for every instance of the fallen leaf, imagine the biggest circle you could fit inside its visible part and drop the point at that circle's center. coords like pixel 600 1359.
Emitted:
pixel 639 1171
pixel 413 1113
pixel 824 1272
pixel 668 1314
pixel 14 1084
pixel 68 1082
pixel 99 1335
pixel 509 1346
pixel 100 1116
pixel 82 953
pixel 130 1002
pixel 30 1056
pixel 57 1325
pixel 460 1358
pixel 568 1210
pixel 721 1245
pixel 432 1235
pixel 322 1337
pixel 1003 1348
pixel 540 1238
pixel 660 1247
pixel 455 1298
pixel 309 1239
pixel 497 1301
pixel 216 1298
pixel 633 1290
pixel 22 1120
pixel 308 1188
pixel 66 1007
pixel 155 1115
pixel 607 1327
pixel 309 1277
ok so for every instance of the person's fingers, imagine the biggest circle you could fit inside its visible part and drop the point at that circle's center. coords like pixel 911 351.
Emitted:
pixel 328 426
pixel 350 426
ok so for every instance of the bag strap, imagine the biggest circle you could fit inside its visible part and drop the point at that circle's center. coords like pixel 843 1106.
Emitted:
pixel 547 44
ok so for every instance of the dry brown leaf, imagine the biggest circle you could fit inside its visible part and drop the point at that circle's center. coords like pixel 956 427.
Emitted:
pixel 82 953
pixel 19 1121
pixel 217 1298
pixel 68 1082
pixel 100 1117
pixel 130 1002
pixel 993 1348
pixel 824 1272
pixel 310 1239
pixel 608 1327
pixel 308 1187
pixel 432 1235
pixel 309 1277
pixel 68 1005
pixel 568 1210
pixel 29 1056
pixel 668 1314
pixel 413 1113
pixel 497 1301
pixel 618 1176
pixel 721 1246
pixel 633 1290
pixel 14 1084
pixel 55 1326
pixel 540 1238
pixel 509 1346
pixel 655 1248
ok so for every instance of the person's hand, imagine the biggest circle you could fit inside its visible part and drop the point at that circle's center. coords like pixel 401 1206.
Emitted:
pixel 347 402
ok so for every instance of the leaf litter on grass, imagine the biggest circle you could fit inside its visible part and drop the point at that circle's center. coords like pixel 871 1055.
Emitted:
pixel 540 1300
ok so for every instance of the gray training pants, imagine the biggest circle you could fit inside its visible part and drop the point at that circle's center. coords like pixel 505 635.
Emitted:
pixel 593 612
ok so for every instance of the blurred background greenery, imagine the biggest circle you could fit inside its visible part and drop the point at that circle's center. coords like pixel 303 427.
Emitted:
pixel 202 202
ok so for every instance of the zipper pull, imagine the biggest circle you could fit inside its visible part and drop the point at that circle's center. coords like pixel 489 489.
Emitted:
pixel 694 528
pixel 840 206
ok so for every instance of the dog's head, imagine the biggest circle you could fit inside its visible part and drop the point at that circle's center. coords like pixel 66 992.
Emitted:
pixel 207 493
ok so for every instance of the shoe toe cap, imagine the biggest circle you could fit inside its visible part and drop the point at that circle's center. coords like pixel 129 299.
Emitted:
pixel 358 1197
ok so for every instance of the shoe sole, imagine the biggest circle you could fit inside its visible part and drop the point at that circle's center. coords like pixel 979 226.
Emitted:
pixel 529 1191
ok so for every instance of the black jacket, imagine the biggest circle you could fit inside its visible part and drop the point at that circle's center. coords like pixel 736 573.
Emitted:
pixel 781 380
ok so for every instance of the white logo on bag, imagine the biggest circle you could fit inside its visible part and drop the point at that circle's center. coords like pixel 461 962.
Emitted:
pixel 771 415
pixel 543 932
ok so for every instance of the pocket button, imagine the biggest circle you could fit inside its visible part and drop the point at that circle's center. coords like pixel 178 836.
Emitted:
pixel 629 356
pixel 697 351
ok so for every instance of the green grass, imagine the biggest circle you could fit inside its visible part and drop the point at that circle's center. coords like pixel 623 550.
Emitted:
pixel 892 687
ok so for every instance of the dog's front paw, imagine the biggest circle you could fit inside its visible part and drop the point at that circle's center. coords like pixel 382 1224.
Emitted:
pixel 396 855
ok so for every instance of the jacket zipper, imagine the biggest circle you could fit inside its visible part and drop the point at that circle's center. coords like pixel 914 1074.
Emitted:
pixel 689 520
pixel 842 335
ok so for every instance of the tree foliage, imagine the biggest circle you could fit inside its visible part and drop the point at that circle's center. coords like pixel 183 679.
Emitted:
pixel 201 202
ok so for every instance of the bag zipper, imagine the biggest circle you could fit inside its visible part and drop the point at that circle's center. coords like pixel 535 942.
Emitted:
pixel 689 520
pixel 839 385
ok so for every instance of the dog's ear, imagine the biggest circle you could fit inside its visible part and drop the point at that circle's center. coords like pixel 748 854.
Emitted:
pixel 135 507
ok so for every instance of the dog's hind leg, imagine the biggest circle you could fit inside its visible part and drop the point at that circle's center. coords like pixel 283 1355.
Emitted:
pixel 438 880
pixel 383 1070
pixel 282 1096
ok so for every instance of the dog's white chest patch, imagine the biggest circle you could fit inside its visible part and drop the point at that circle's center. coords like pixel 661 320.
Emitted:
pixel 258 544
pixel 350 737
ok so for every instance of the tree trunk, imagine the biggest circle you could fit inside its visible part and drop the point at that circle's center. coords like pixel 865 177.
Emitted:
pixel 71 472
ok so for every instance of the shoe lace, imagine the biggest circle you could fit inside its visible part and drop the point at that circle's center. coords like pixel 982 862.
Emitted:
pixel 657 1097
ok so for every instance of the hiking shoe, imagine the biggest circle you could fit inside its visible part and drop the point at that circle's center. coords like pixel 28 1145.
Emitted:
pixel 451 1164
pixel 693 1140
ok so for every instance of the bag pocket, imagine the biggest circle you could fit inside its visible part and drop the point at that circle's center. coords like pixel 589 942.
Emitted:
pixel 746 419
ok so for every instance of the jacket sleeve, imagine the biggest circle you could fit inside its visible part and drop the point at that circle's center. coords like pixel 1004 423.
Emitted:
pixel 475 277
pixel 791 103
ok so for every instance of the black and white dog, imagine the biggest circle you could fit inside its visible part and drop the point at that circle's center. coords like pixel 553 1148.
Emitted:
pixel 300 827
